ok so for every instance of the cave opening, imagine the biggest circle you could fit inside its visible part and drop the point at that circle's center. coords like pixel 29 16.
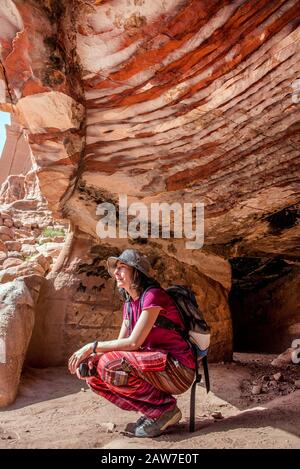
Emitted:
pixel 264 303
pixel 283 219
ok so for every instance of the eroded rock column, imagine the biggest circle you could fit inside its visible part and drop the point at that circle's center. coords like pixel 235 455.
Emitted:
pixel 17 300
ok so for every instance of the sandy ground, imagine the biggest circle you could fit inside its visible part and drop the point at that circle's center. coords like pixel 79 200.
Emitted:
pixel 55 410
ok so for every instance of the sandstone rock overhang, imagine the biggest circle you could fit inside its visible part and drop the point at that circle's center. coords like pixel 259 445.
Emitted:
pixel 174 101
pixel 177 100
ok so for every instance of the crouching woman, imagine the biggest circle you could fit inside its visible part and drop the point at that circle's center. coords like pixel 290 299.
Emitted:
pixel 147 365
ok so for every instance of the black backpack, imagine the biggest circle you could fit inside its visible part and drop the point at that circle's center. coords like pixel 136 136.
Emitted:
pixel 196 332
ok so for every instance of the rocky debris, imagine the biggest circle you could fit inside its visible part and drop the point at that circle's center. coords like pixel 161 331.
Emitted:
pixel 52 249
pixel 24 250
pixel 42 261
pixel 12 189
pixel 17 300
pixel 11 262
pixel 297 384
pixel 15 254
pixel 51 239
pixel 284 358
pixel 22 233
pixel 17 223
pixel 278 376
pixel 5 233
pixel 29 240
pixel 25 205
pixel 256 389
pixel 3 256
pixel 265 384
pixel 11 273
pixel 29 249
pixel 8 275
pixel 13 245
pixel 5 214
pixel 29 261
pixel 108 427
pixel 217 415
pixel 7 222
pixel 58 239
pixel 3 246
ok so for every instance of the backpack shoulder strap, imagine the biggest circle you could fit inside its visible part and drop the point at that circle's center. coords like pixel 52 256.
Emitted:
pixel 141 302
pixel 128 315
pixel 161 321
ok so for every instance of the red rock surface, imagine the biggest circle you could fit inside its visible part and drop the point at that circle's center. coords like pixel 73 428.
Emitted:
pixel 180 101
pixel 16 155
pixel 189 100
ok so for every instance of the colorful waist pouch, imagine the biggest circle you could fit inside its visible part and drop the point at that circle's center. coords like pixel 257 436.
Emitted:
pixel 117 371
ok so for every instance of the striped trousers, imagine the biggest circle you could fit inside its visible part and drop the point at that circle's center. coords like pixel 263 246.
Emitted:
pixel 140 381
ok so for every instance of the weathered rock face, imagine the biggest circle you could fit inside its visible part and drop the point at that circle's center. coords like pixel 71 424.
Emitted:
pixel 12 189
pixel 41 89
pixel 180 101
pixel 17 299
pixel 16 154
pixel 191 104
pixel 186 99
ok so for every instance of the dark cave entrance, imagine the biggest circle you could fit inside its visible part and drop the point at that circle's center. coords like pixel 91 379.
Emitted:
pixel 264 302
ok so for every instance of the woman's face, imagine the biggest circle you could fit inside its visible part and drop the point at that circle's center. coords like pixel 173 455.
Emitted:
pixel 123 274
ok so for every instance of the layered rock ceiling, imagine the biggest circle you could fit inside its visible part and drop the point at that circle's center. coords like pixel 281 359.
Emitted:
pixel 164 101
pixel 167 100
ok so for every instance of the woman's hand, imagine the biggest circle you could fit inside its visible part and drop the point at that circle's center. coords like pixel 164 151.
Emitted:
pixel 79 356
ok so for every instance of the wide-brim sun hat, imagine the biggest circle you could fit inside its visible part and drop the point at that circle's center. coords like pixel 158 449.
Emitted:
pixel 133 258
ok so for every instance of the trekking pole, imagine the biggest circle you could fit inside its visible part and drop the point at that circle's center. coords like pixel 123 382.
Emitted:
pixel 193 394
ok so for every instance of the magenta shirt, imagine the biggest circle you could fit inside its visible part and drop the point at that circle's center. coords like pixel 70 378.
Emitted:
pixel 160 338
